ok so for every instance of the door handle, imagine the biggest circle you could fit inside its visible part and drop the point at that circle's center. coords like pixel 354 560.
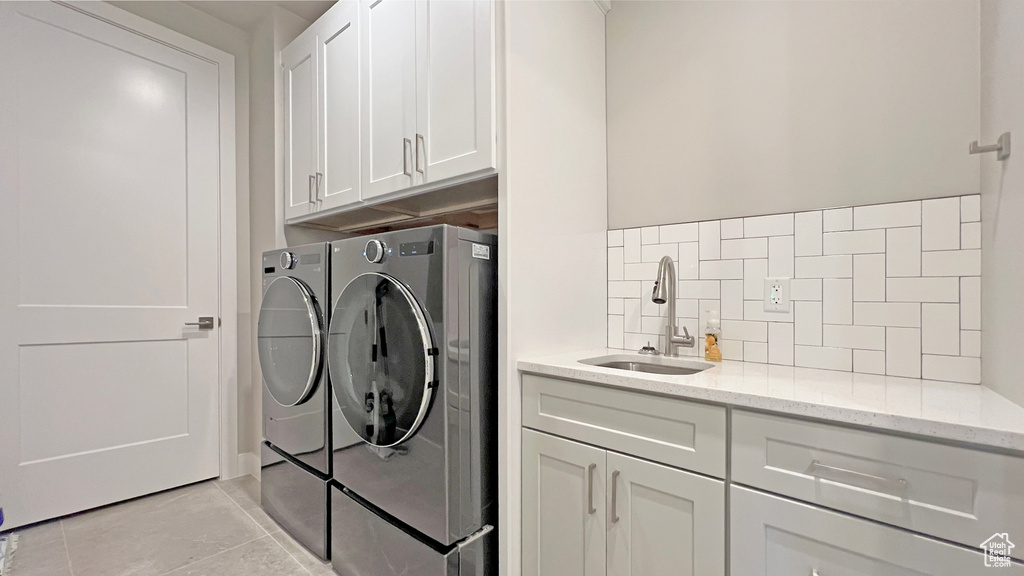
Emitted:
pixel 406 146
pixel 615 508
pixel 420 138
pixel 319 179
pixel 312 183
pixel 590 488
pixel 205 323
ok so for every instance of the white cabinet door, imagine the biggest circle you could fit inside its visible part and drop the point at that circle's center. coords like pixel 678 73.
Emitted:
pixel 771 536
pixel 300 125
pixel 388 83
pixel 563 507
pixel 338 78
pixel 455 101
pixel 663 521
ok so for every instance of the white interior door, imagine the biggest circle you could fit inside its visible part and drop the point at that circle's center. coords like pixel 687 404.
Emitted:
pixel 338 56
pixel 109 208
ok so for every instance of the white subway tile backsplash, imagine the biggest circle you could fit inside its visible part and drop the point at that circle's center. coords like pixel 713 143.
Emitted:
pixel 745 248
pixel 755 352
pixel 807 323
pixel 710 238
pixel 869 361
pixel 805 289
pixel 859 337
pixel 745 330
pixel 754 273
pixel 823 358
pixel 869 278
pixel 837 220
pixel 859 242
pixel 970 303
pixel 780 257
pixel 631 245
pixel 774 225
pixel 895 215
pixel 951 368
pixel 940 224
pixel 708 289
pixel 903 252
pixel 732 300
pixel 837 301
pixel 721 270
pixel 940 329
pixel 970 235
pixel 824 266
pixel 615 264
pixel 732 228
pixel 780 343
pixel 970 208
pixel 808 233
pixel 903 352
pixel 887 289
pixel 614 238
pixel 951 263
pixel 887 314
pixel 922 290
pixel 679 233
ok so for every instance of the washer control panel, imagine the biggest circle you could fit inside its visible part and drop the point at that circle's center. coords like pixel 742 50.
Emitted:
pixel 375 251
pixel 288 260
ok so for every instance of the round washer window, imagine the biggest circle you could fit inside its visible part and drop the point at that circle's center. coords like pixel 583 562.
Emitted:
pixel 289 341
pixel 381 359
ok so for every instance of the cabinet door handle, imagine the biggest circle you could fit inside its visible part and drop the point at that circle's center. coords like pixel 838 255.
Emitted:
pixel 419 139
pixel 312 184
pixel 319 179
pixel 615 492
pixel 859 479
pixel 406 151
pixel 590 488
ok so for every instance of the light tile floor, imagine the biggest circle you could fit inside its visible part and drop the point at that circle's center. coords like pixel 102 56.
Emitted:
pixel 208 529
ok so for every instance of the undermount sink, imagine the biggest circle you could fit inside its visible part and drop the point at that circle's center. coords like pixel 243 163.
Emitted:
pixel 649 364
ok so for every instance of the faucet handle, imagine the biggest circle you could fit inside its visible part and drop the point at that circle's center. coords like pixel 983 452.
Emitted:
pixel 685 331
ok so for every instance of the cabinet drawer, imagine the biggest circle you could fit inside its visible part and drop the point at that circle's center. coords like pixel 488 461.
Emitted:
pixel 772 536
pixel 675 432
pixel 954 493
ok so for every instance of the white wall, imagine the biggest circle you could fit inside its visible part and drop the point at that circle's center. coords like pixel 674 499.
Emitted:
pixel 552 207
pixel 724 109
pixel 1002 197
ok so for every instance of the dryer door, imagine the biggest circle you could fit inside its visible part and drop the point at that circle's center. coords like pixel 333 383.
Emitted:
pixel 381 359
pixel 289 340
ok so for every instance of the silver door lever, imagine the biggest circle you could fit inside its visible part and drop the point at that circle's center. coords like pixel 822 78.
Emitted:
pixel 205 323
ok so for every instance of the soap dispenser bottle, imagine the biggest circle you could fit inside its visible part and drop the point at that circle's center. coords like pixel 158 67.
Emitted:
pixel 712 333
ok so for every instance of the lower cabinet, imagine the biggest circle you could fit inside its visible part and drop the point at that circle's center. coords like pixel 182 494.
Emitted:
pixel 771 535
pixel 590 512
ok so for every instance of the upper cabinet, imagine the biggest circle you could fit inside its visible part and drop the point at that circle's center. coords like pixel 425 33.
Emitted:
pixel 402 102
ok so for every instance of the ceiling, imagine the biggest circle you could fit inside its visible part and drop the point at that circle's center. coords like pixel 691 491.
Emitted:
pixel 245 14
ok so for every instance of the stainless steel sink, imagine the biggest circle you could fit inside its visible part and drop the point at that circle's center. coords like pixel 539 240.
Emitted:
pixel 655 365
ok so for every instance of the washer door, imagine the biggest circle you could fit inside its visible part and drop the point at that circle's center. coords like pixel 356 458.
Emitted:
pixel 381 359
pixel 289 340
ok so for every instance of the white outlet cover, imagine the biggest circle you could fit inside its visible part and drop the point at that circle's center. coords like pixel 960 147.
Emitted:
pixel 776 295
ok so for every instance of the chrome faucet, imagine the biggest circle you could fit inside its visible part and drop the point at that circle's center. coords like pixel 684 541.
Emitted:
pixel 665 292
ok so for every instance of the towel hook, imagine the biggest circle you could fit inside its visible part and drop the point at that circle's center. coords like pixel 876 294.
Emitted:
pixel 1001 147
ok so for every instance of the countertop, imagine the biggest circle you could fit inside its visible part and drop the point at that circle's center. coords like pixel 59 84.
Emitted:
pixel 968 413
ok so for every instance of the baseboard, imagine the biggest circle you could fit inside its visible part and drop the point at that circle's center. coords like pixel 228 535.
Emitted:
pixel 249 463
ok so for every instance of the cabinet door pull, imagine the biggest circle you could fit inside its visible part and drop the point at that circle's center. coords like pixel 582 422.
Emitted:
pixel 859 479
pixel 312 184
pixel 319 179
pixel 590 488
pixel 615 492
pixel 419 139
pixel 406 152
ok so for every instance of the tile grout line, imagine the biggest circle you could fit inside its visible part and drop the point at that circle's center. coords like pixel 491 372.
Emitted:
pixel 267 533
pixel 214 555
pixel 67 551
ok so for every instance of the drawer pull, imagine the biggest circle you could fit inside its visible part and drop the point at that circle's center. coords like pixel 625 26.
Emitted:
pixel 615 508
pixel 590 488
pixel 859 479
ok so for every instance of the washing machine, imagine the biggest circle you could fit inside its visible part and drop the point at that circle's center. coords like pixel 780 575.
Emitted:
pixel 412 354
pixel 291 342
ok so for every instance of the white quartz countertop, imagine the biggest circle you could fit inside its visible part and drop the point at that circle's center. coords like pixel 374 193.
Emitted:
pixel 947 410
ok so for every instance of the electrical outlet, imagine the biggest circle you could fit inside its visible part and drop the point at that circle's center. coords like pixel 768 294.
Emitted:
pixel 776 295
